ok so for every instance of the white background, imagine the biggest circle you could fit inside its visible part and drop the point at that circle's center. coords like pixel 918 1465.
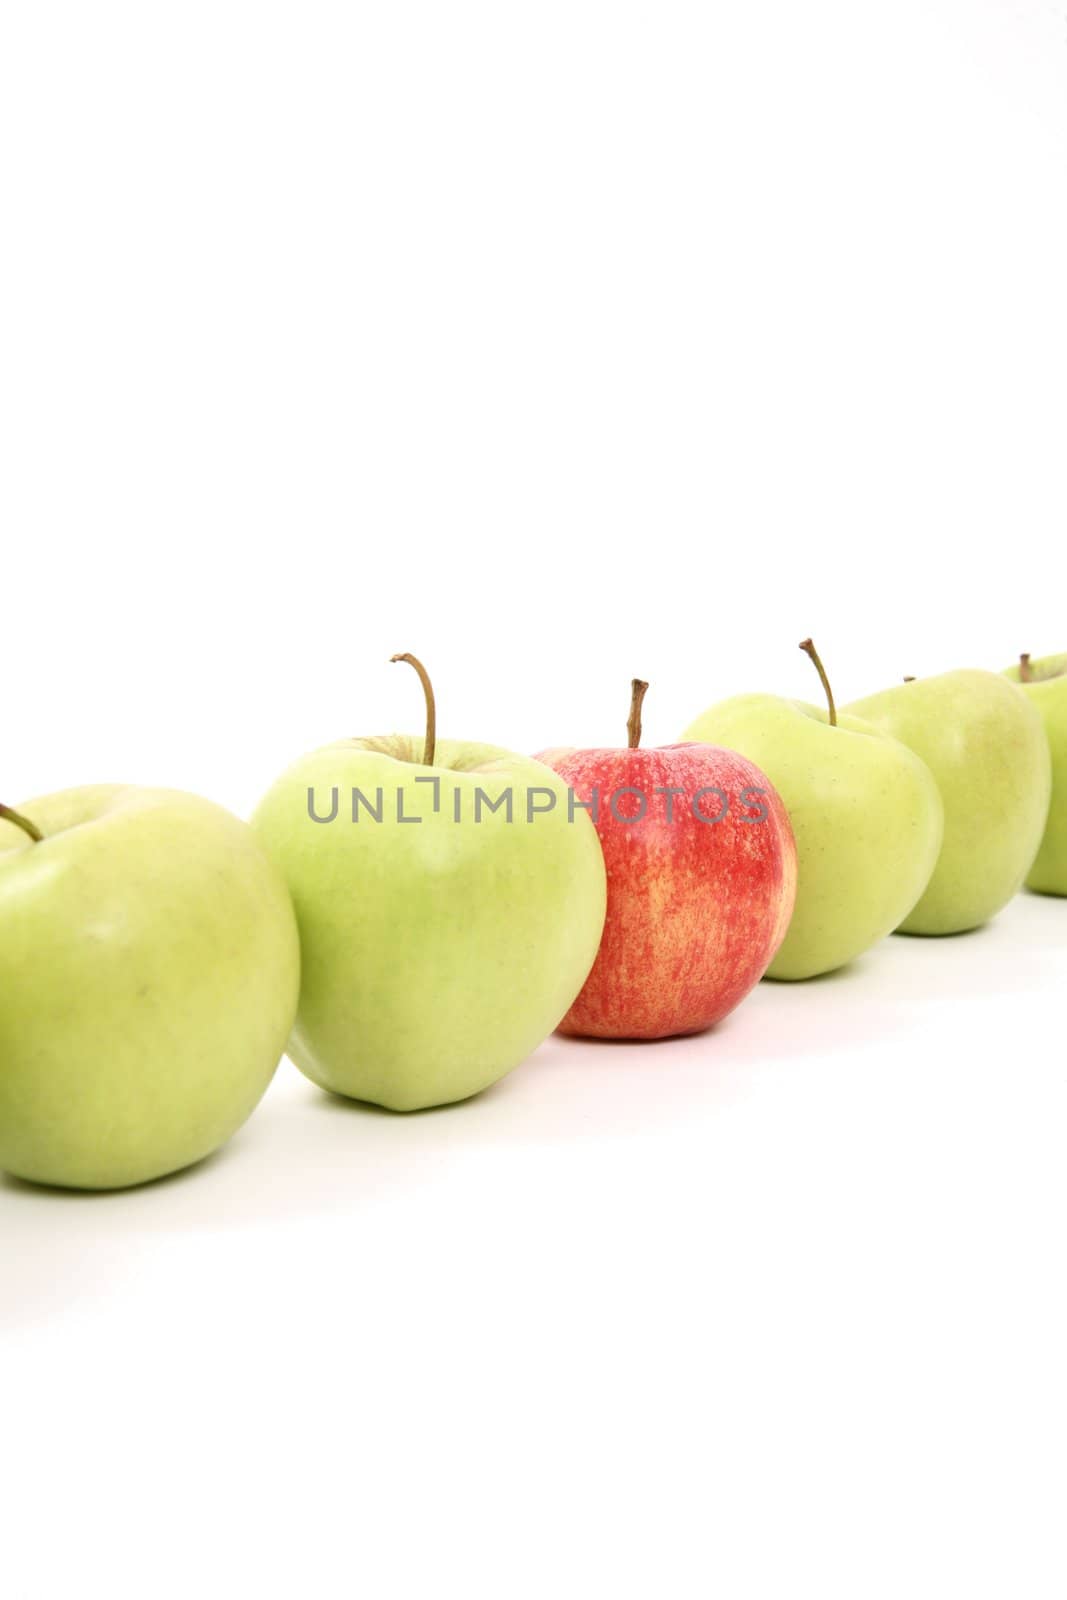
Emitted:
pixel 557 343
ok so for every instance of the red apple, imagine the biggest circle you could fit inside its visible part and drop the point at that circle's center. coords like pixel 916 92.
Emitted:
pixel 702 872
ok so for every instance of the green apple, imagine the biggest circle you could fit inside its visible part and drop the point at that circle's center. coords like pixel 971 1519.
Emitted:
pixel 1045 685
pixel 149 971
pixel 442 939
pixel 865 813
pixel 985 744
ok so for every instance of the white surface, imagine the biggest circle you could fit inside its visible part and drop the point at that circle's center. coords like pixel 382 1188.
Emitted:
pixel 558 344
pixel 783 1300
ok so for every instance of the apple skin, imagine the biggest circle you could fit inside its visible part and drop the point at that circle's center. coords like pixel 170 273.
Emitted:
pixel 865 812
pixel 985 744
pixel 1047 692
pixel 696 909
pixel 149 970
pixel 436 956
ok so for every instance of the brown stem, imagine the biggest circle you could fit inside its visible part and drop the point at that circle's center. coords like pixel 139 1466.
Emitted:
pixel 22 822
pixel 909 680
pixel 431 708
pixel 1025 672
pixel 810 650
pixel 638 690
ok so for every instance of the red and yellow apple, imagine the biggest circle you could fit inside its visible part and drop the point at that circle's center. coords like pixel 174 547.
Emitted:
pixel 701 869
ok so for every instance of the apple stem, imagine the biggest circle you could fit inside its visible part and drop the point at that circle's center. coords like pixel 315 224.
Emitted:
pixel 430 746
pixel 1025 673
pixel 910 679
pixel 810 650
pixel 638 690
pixel 22 822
